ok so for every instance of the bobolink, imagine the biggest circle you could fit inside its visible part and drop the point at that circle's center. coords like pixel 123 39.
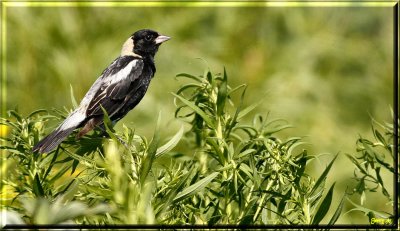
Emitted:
pixel 118 90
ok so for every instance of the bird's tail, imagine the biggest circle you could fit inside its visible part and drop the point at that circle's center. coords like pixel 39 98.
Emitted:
pixel 57 136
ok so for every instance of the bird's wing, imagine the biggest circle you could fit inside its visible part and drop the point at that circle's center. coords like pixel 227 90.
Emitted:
pixel 116 81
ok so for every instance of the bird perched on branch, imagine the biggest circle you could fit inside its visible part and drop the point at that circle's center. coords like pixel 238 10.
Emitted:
pixel 118 90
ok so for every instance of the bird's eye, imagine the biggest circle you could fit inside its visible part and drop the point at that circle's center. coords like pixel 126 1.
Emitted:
pixel 148 37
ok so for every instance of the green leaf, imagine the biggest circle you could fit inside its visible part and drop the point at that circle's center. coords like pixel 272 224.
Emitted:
pixel 68 191
pixel 209 77
pixel 386 165
pixel 55 155
pixel 200 112
pixel 36 112
pixel 380 180
pixel 338 211
pixel 198 79
pixel 247 110
pixel 355 162
pixel 108 125
pixel 379 137
pixel 74 165
pixel 236 88
pixel 234 120
pixel 246 152
pixel 171 144
pixel 302 162
pixel 246 170
pixel 151 153
pixel 37 187
pixel 324 207
pixel 187 86
pixel 74 103
pixel 216 216
pixel 58 175
pixel 173 192
pixel 192 189
pixel 222 94
pixel 15 115
pixel 366 210
pixel 323 176
pixel 213 143
pixel 277 129
pixel 67 159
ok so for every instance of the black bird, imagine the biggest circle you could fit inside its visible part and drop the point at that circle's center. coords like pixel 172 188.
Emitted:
pixel 118 89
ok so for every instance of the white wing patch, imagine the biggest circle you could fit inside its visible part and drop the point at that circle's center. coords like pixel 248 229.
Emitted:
pixel 107 81
pixel 92 91
pixel 122 74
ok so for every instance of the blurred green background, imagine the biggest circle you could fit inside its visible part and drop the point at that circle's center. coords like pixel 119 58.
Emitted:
pixel 325 70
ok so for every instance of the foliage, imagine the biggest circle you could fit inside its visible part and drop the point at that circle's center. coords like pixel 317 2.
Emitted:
pixel 237 173
pixel 372 159
pixel 262 179
pixel 325 68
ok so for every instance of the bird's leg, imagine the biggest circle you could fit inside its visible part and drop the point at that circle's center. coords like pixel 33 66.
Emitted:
pixel 104 133
pixel 90 124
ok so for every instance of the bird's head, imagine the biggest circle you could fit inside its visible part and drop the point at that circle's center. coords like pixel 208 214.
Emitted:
pixel 143 43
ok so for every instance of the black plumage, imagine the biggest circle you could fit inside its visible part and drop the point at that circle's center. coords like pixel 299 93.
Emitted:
pixel 120 87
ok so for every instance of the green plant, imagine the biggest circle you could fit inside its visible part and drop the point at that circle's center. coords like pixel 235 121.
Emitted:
pixel 38 186
pixel 258 179
pixel 228 172
pixel 371 160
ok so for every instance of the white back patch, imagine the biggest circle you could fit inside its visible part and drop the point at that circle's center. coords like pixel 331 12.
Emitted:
pixel 122 74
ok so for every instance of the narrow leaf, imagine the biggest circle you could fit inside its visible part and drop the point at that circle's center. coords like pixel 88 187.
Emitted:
pixel 55 155
pixel 36 112
pixel 108 125
pixel 58 175
pixel 324 207
pixel 233 122
pixel 195 187
pixel 68 192
pixel 355 162
pixel 277 129
pixel 37 187
pixel 338 211
pixel 188 86
pixel 323 176
pixel 173 192
pixel 222 93
pixel 198 79
pixel 171 144
pixel 236 88
pixel 151 153
pixel 73 100
pixel 213 143
pixel 200 112
pixel 386 165
pixel 74 165
pixel 248 109
pixel 366 210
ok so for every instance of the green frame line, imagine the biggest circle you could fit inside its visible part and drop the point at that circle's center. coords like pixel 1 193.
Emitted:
pixel 6 4
pixel 3 46
pixel 198 4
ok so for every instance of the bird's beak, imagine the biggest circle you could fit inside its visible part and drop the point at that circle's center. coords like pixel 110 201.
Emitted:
pixel 161 38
